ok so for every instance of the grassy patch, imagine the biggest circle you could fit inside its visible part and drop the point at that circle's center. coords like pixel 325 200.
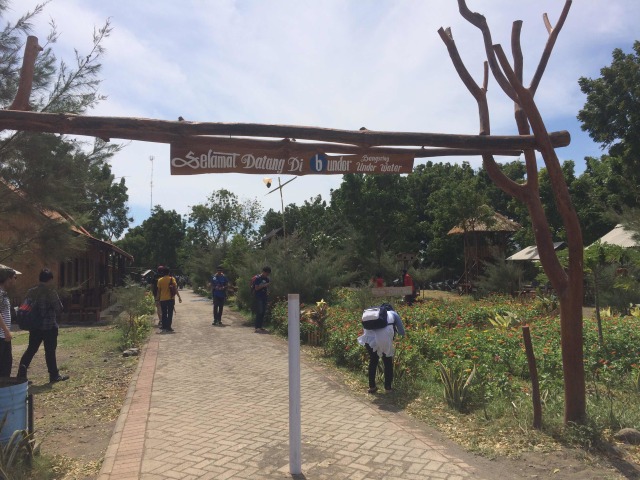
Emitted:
pixel 74 419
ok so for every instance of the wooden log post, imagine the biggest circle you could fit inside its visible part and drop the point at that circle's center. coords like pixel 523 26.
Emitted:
pixel 533 372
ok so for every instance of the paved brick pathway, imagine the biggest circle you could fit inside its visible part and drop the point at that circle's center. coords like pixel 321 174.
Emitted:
pixel 212 403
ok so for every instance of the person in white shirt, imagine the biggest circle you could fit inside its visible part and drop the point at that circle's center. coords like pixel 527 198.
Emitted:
pixel 379 343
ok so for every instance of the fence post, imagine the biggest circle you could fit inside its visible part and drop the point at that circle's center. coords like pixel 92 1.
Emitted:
pixel 295 431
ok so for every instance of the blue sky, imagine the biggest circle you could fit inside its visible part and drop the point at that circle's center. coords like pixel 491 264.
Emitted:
pixel 333 63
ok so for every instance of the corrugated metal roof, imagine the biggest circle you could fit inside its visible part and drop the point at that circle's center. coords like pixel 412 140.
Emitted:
pixel 620 236
pixel 531 252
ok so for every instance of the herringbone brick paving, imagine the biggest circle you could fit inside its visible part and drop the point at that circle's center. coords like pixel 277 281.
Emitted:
pixel 212 403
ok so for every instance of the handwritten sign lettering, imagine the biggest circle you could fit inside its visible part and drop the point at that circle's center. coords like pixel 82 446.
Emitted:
pixel 199 159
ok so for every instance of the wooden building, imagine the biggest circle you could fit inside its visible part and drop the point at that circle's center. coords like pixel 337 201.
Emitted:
pixel 84 276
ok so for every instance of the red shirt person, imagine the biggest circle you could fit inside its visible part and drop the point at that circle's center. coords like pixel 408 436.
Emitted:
pixel 407 281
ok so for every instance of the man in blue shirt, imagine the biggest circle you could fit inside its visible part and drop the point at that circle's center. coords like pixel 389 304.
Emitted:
pixel 219 293
pixel 260 291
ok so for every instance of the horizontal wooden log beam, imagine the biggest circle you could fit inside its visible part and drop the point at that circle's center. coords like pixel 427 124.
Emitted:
pixel 328 148
pixel 165 131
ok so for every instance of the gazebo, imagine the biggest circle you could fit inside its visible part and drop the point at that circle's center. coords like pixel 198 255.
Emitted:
pixel 484 240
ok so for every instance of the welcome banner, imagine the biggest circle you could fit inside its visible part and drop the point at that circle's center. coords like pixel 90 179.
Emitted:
pixel 198 158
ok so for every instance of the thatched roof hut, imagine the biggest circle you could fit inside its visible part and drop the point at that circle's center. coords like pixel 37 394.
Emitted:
pixel 484 240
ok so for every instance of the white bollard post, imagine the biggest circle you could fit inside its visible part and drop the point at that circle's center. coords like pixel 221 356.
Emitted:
pixel 295 430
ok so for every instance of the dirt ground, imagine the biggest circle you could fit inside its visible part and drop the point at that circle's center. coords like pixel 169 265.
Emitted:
pixel 74 419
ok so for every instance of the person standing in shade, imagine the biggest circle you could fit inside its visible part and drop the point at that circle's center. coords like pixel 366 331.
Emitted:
pixel 167 291
pixel 260 288
pixel 379 343
pixel 218 285
pixel 47 307
pixel 407 281
pixel 7 277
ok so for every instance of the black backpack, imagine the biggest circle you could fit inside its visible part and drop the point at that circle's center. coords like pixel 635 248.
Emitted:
pixel 375 318
pixel 27 315
pixel 252 283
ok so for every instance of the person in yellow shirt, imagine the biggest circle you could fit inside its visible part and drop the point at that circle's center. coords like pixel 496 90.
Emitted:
pixel 167 291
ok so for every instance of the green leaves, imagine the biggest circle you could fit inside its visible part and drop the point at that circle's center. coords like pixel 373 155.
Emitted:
pixel 505 321
pixel 456 385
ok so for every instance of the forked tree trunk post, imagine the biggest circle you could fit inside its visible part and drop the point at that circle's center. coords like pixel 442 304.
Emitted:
pixel 567 283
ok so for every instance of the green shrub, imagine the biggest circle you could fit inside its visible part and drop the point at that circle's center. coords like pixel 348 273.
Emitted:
pixel 292 271
pixel 134 321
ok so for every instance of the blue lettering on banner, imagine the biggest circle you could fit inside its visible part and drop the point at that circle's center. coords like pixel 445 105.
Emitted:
pixel 318 162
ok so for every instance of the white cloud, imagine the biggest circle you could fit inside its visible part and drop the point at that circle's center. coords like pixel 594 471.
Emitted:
pixel 336 63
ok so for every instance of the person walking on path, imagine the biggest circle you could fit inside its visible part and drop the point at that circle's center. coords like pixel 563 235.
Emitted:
pixel 218 284
pixel 379 343
pixel 260 288
pixel 7 278
pixel 167 291
pixel 47 307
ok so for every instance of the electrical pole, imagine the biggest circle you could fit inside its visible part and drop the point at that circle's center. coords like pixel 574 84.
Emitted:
pixel 151 158
pixel 267 182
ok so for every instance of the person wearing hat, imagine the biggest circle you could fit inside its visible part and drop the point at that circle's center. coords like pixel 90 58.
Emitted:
pixel 218 285
pixel 7 277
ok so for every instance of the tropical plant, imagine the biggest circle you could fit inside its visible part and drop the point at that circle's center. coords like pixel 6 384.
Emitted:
pixel 504 321
pixel 316 315
pixel 456 385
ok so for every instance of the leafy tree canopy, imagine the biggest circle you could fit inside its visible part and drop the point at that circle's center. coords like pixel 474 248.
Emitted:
pixel 611 113
pixel 221 217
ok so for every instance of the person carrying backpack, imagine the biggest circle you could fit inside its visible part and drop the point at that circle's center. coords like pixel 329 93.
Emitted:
pixel 48 306
pixel 379 343
pixel 259 287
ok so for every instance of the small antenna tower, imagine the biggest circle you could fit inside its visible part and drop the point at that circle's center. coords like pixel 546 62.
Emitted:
pixel 151 158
